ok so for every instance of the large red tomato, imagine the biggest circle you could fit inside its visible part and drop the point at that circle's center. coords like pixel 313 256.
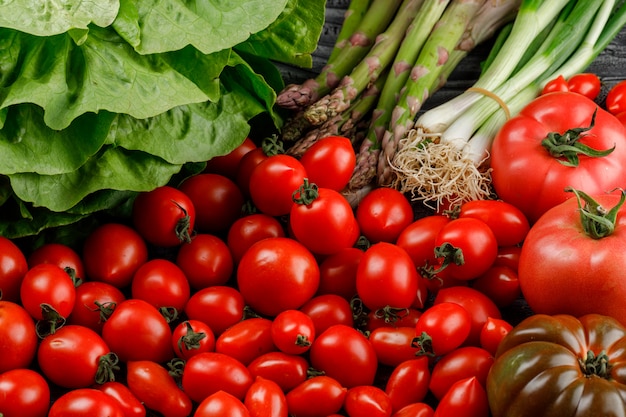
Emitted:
pixel 527 175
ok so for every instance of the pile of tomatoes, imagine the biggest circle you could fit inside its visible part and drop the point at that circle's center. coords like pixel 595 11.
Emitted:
pixel 254 288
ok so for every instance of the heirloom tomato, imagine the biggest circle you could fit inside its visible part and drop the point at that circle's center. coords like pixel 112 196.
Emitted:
pixel 558 140
pixel 25 393
pixel 13 267
pixel 18 337
pixel 560 365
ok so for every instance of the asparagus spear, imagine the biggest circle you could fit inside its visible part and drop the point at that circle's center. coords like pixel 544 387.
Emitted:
pixel 353 17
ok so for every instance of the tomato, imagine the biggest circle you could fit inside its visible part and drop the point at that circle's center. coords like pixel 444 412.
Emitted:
pixel 284 369
pixel 500 284
pixel 537 180
pixel 246 340
pixel 478 305
pixel 579 263
pixel 615 101
pixel 322 220
pixel 467 247
pixel 338 273
pixel 557 84
pixel 327 310
pixel 393 345
pixel 587 84
pixel 209 372
pixel 85 402
pixel 137 331
pixel 130 404
pixel 206 261
pixel 418 239
pixel 560 365
pixel 508 256
pixel 418 409
pixel 48 287
pixel 466 397
pixel 367 401
pixel 408 382
pixel 152 384
pixel 492 334
pixel 13 267
pixel 250 229
pixel 273 181
pixel 293 331
pixel 244 170
pixel 75 357
pixel 218 306
pixel 164 217
pixel 112 253
pixel 330 162
pixel 227 164
pixel 265 398
pixel 191 337
pixel 217 201
pixel 221 404
pixel 18 337
pixel 95 301
pixel 442 328
pixel 383 214
pixel 507 222
pixel 25 393
pixel 277 274
pixel 161 283
pixel 406 317
pixel 386 276
pixel 343 353
pixel 317 396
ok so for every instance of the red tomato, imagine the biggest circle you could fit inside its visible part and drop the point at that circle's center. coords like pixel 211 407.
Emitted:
pixel 415 410
pixel 250 229
pixel 286 370
pixel 383 214
pixel 112 253
pixel 508 256
pixel 466 397
pixel 500 284
pixel 330 162
pixel 13 267
pixel 557 84
pixel 164 217
pixel 221 404
pixel 386 276
pixel 293 331
pixel 406 317
pixel 59 254
pixel 273 182
pixel 85 402
pixel 317 396
pixel 537 180
pixel 48 287
pixel 217 201
pixel 152 384
pixel 137 331
pixel 218 306
pixel 442 328
pixel 461 363
pixel 246 340
pixel 95 301
pixel 75 357
pixel 327 310
pixel 227 164
pixel 191 337
pixel 418 239
pixel 467 247
pixel 206 261
pixel 367 401
pixel 244 170
pixel 265 398
pixel 408 382
pixel 25 393
pixel 130 404
pixel 277 274
pixel 393 345
pixel 209 372
pixel 507 222
pixel 615 101
pixel 322 220
pixel 18 337
pixel 338 273
pixel 345 354
pixel 492 334
pixel 587 84
pixel 161 283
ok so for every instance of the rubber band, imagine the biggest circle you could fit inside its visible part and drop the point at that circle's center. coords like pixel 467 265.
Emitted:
pixel 497 99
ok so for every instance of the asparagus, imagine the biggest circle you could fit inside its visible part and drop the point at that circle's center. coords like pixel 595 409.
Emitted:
pixel 353 17
pixel 368 69
pixel 376 19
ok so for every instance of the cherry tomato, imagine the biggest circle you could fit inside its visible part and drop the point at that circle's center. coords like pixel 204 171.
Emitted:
pixel 293 331
pixel 418 409
pixel 587 84
pixel 500 284
pixel 330 162
pixel 345 354
pixel 383 214
pixel 367 401
pixel 408 382
pixel 327 310
pixel 277 274
pixel 508 256
pixel 152 384
pixel 130 404
pixel 48 286
pixel 464 362
pixel 112 253
pixel 246 340
pixel 265 398
pixel 217 201
pixel 393 345
pixel 85 402
pixel 218 306
pixel 508 224
pixel 406 317
pixel 13 267
pixel 227 164
pixel 492 334
pixel 466 397
pixel 25 393
pixel 284 369
pixel 221 404
pixel 273 182
pixel 615 101
pixel 164 216
pixel 59 254
pixel 18 337
pixel 95 301
pixel 248 230
pixel 442 328
pixel 557 84
pixel 418 239
pixel 317 396
pixel 338 273
pixel 206 261
pixel 161 283
pixel 191 337
pixel 244 170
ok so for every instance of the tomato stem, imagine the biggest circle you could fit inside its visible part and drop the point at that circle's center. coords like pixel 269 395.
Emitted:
pixel 183 225
pixel 450 254
pixel 107 365
pixel 51 322
pixel 596 365
pixel 306 193
pixel 424 343
pixel 272 146
pixel 191 339
pixel 302 340
pixel 596 221
pixel 391 314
